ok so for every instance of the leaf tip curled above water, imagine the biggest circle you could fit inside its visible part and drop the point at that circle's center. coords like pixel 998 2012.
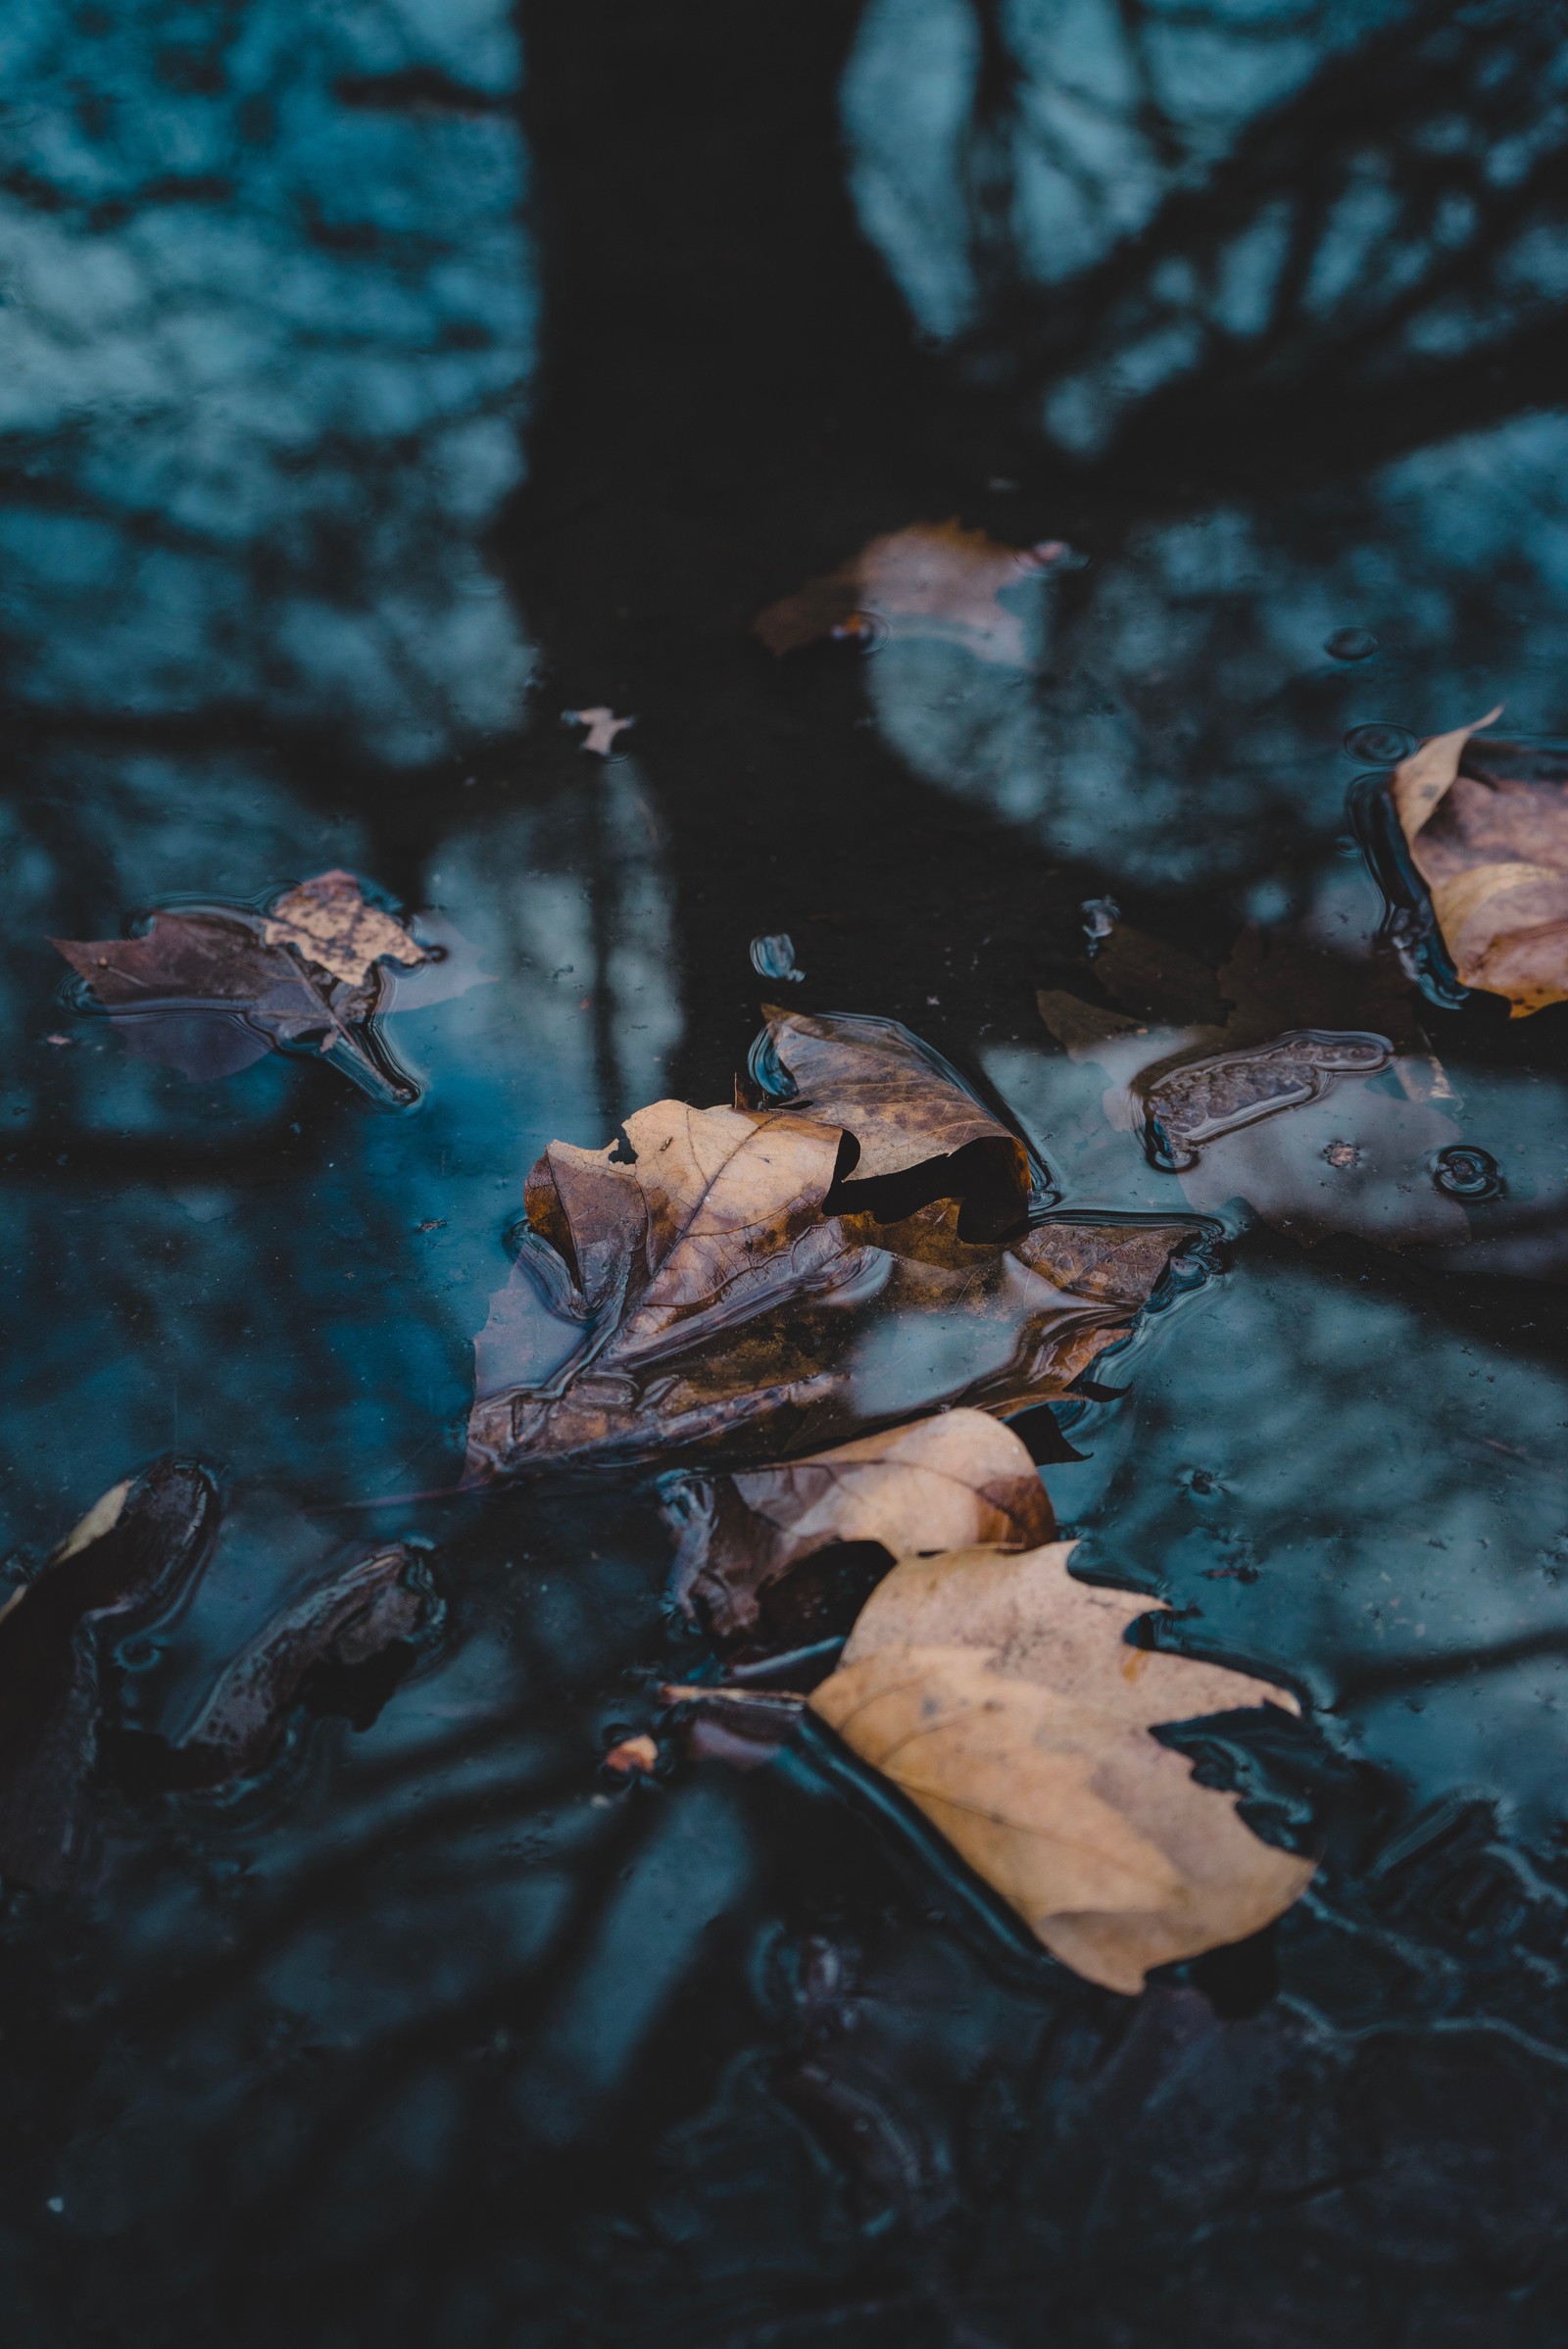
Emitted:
pixel 1490 842
pixel 1000 1695
pixel 904 1109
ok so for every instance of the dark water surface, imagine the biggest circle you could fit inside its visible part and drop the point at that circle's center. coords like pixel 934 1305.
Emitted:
pixel 385 377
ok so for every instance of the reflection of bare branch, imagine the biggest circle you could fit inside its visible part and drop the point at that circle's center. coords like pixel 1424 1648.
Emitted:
pixel 1409 112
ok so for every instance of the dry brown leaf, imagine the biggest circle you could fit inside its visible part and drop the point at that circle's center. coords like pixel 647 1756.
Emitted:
pixel 932 580
pixel 1000 1695
pixel 207 989
pixel 1493 850
pixel 702 1291
pixel 909 1114
pixel 945 1483
pixel 328 922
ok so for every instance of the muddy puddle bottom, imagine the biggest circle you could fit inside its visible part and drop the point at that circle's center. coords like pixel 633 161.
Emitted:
pixel 1135 433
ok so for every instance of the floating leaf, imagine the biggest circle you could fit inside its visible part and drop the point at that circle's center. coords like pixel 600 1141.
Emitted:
pixel 207 989
pixel 915 1129
pixel 1493 848
pixel 691 1284
pixel 1000 1696
pixel 932 580
pixel 945 1483
pixel 328 923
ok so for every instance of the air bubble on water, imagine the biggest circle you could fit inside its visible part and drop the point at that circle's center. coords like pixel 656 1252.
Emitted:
pixel 1350 644
pixel 1101 917
pixel 1465 1172
pixel 1379 743
pixel 773 958
pixel 867 630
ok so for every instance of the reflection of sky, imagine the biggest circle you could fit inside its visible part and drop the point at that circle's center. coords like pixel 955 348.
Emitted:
pixel 1116 108
pixel 1179 718
pixel 270 319
pixel 1397 1486
pixel 271 328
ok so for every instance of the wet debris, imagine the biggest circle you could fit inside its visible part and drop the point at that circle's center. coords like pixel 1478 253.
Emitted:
pixel 210 989
pixel 1202 1099
pixel 773 958
pixel 600 727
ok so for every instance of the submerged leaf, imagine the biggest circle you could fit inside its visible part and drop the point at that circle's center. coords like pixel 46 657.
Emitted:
pixel 1493 848
pixel 932 580
pixel 207 989
pixel 1200 1101
pixel 945 1483
pixel 130 1559
pixel 915 1129
pixel 1000 1696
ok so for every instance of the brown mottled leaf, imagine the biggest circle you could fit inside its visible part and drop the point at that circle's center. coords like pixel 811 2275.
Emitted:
pixel 1493 848
pixel 207 989
pixel 932 580
pixel 328 922
pixel 945 1483
pixel 702 1295
pixel 1000 1695
pixel 916 1130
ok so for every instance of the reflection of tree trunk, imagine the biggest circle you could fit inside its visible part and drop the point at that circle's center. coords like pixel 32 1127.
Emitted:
pixel 732 400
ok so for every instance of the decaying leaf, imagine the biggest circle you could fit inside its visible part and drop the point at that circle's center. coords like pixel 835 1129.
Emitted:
pixel 913 1128
pixel 377 1605
pixel 945 1483
pixel 130 1557
pixel 328 923
pixel 732 1302
pixel 1000 1696
pixel 128 1562
pixel 1201 1069
pixel 932 580
pixel 1493 848
pixel 1200 1101
pixel 207 989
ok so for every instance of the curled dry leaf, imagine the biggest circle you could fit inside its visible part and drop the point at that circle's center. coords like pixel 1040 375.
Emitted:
pixel 1493 848
pixel 932 580
pixel 945 1483
pixel 207 989
pixel 1000 1696
pixel 704 1295
pixel 913 1128
pixel 1200 1101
